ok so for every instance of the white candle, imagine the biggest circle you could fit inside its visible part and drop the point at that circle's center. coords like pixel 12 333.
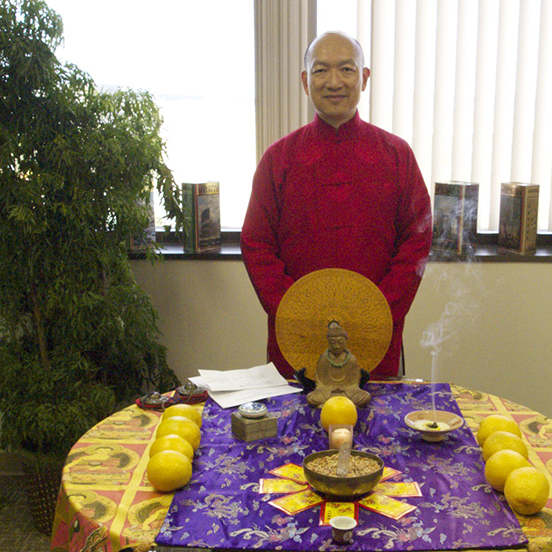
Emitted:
pixel 339 436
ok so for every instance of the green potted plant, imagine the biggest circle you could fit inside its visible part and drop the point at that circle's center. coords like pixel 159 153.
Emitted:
pixel 78 337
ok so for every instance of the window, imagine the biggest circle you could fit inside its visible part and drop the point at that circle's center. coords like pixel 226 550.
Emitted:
pixel 197 59
pixel 466 82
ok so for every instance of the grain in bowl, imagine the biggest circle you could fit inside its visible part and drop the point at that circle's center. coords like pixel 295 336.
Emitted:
pixel 348 487
pixel 358 465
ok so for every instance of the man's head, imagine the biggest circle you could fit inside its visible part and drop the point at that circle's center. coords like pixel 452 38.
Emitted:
pixel 334 76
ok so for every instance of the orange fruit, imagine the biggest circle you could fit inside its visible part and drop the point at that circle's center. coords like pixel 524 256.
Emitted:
pixel 500 440
pixel 172 442
pixel 500 465
pixel 496 422
pixel 338 410
pixel 526 491
pixel 169 470
pixel 178 425
pixel 186 410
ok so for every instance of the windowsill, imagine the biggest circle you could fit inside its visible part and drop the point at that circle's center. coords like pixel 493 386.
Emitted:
pixel 486 251
pixel 490 254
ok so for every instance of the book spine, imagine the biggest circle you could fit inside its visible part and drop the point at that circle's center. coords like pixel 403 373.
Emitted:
pixel 202 215
pixel 189 205
pixel 142 243
pixel 530 219
pixel 472 204
pixel 446 220
pixel 461 220
pixel 208 216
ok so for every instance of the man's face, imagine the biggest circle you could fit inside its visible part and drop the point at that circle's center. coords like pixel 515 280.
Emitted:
pixel 334 78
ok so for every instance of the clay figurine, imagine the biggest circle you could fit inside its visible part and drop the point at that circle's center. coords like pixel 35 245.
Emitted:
pixel 337 371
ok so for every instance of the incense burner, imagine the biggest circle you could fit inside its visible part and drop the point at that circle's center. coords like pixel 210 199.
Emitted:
pixel 433 424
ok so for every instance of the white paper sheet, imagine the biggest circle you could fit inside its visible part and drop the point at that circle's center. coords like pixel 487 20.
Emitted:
pixel 250 378
pixel 228 399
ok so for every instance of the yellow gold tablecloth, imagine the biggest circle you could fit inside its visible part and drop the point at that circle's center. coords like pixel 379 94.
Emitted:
pixel 106 504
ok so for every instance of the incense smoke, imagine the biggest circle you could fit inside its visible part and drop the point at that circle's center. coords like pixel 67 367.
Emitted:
pixel 443 336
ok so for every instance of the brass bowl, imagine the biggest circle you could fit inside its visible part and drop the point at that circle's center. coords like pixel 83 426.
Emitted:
pixel 448 421
pixel 342 487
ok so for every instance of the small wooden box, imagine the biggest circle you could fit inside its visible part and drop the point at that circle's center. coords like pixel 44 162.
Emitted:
pixel 455 216
pixel 519 211
pixel 201 205
pixel 253 429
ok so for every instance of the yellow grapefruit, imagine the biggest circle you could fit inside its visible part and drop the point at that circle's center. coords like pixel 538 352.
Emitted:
pixel 186 410
pixel 179 425
pixel 172 442
pixel 526 491
pixel 500 440
pixel 500 465
pixel 169 470
pixel 496 422
pixel 338 410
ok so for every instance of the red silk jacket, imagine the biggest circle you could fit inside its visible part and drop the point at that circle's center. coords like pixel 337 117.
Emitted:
pixel 350 198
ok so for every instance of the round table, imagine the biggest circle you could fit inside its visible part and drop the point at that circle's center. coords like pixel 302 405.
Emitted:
pixel 107 504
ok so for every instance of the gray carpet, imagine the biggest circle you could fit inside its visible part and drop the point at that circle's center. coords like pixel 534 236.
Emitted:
pixel 17 533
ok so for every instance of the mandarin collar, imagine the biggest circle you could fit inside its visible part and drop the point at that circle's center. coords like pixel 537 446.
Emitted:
pixel 346 131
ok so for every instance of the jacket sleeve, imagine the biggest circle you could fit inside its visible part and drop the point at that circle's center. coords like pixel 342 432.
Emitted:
pixel 413 241
pixel 259 237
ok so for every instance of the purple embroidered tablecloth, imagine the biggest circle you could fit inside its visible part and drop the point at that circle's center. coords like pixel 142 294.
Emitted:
pixel 222 508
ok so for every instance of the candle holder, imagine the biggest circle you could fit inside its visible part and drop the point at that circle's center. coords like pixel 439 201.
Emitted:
pixel 338 434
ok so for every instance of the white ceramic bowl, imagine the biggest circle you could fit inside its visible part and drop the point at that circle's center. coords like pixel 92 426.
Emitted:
pixel 424 420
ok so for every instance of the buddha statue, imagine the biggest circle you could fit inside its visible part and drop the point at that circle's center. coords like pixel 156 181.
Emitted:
pixel 337 371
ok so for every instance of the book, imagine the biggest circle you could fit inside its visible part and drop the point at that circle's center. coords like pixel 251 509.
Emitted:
pixel 147 239
pixel 519 207
pixel 455 216
pixel 201 204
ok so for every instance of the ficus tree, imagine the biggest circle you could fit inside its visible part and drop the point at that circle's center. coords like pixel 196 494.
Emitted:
pixel 78 336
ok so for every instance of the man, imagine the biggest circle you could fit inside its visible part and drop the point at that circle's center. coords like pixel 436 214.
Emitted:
pixel 338 193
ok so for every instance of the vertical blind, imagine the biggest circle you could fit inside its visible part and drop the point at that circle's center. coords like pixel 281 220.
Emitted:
pixel 468 83
pixel 283 30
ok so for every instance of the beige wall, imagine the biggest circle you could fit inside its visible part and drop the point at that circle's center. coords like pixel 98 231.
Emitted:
pixel 499 328
pixel 494 318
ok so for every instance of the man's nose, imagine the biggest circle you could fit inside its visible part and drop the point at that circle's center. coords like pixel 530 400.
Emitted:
pixel 334 79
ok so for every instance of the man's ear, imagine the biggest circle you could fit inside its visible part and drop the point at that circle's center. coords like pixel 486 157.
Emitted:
pixel 365 76
pixel 305 81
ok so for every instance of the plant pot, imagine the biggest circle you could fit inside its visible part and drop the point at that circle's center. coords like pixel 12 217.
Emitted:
pixel 42 482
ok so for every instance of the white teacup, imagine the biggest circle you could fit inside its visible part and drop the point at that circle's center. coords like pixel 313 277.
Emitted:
pixel 342 529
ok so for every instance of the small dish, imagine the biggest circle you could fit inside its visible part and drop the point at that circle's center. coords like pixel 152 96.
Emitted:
pixel 191 393
pixel 425 421
pixel 252 410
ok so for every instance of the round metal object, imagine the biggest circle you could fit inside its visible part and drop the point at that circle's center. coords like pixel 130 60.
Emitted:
pixel 347 297
pixel 191 393
pixel 342 487
pixel 154 400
